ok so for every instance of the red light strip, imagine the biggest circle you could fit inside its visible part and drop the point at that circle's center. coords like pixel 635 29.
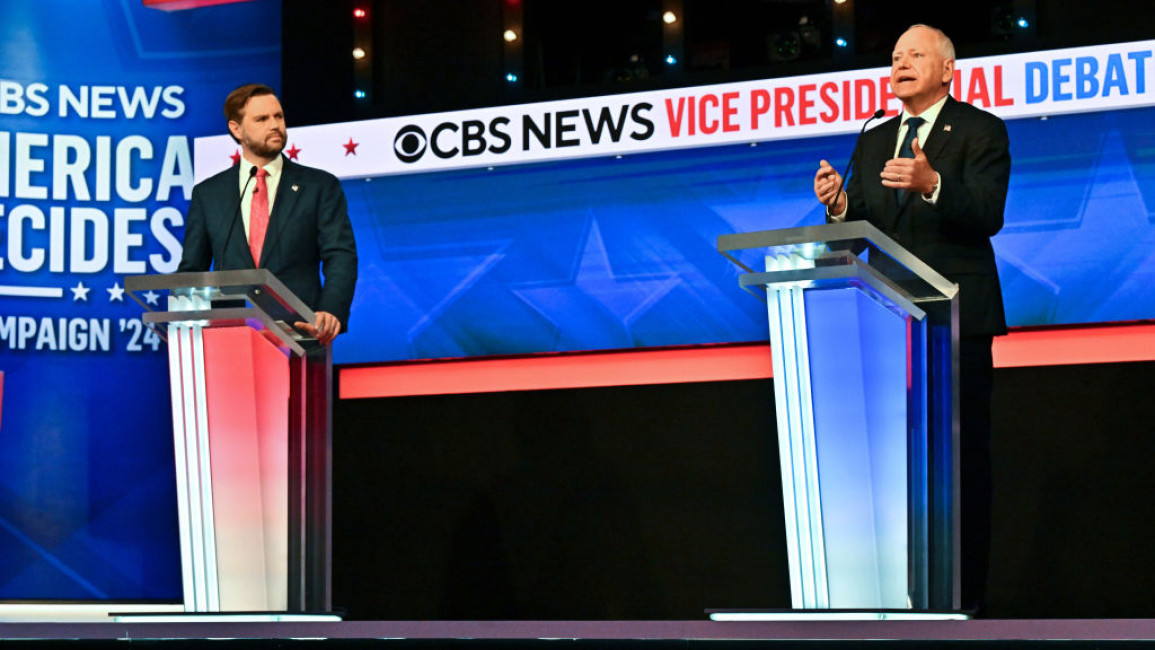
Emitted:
pixel 1066 346
pixel 1115 343
pixel 543 372
pixel 182 5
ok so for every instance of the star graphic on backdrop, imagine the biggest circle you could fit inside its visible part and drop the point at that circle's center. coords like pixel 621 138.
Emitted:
pixel 1113 210
pixel 293 151
pixel 80 292
pixel 236 157
pixel 115 293
pixel 423 284
pixel 351 147
pixel 596 301
pixel 151 297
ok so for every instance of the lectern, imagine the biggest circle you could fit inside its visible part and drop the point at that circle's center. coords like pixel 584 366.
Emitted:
pixel 251 429
pixel 864 344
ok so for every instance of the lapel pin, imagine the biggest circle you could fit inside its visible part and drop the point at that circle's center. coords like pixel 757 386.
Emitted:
pixel 296 186
pixel 945 127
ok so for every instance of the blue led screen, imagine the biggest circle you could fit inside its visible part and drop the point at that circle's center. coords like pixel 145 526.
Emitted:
pixel 611 253
pixel 100 102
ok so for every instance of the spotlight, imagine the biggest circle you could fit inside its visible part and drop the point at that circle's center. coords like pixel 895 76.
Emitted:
pixel 670 59
pixel 359 13
pixel 669 18
pixel 1023 23
pixel 785 46
pixel 511 78
pixel 840 42
pixel 509 36
pixel 359 94
pixel 358 53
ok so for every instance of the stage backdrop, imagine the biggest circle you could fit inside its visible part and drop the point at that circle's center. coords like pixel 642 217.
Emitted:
pixel 100 101
pixel 592 223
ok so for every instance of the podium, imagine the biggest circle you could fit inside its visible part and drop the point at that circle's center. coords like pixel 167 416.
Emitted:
pixel 251 429
pixel 864 343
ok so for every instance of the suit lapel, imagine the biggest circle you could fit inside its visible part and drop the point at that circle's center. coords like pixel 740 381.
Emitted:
pixel 283 206
pixel 941 133
pixel 888 136
pixel 238 253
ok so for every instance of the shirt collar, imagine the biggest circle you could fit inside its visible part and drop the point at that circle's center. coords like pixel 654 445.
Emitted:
pixel 274 168
pixel 930 114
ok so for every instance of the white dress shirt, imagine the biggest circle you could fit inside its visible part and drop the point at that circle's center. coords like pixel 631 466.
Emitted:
pixel 930 116
pixel 271 181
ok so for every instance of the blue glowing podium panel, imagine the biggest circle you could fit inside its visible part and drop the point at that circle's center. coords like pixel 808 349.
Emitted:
pixel 864 340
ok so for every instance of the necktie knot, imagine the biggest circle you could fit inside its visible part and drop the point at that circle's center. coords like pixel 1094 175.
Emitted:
pixel 262 172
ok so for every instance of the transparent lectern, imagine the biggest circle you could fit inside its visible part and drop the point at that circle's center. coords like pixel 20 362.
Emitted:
pixel 864 343
pixel 251 428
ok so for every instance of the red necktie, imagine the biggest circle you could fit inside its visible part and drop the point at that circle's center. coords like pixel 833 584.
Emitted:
pixel 259 216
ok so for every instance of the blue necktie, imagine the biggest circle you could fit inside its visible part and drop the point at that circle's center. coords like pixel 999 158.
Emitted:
pixel 906 150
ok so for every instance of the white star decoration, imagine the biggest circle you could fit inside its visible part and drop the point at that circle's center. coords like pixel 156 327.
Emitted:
pixel 151 297
pixel 115 293
pixel 79 292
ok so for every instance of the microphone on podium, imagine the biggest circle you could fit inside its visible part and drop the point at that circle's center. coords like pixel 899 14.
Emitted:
pixel 237 212
pixel 877 114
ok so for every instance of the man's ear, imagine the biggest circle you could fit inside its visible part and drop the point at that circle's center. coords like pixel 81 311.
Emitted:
pixel 235 129
pixel 947 72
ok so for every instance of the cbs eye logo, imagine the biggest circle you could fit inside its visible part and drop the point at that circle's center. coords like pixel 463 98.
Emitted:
pixel 410 144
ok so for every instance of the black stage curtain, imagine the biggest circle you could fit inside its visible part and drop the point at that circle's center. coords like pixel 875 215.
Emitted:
pixel 658 502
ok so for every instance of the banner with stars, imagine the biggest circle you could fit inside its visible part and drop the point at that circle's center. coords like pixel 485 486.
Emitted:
pixel 100 102
pixel 591 223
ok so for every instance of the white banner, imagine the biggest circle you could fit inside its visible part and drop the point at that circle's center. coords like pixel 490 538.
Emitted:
pixel 1084 79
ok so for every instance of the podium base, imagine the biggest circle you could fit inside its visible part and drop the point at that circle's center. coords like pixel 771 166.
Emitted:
pixel 226 617
pixel 802 615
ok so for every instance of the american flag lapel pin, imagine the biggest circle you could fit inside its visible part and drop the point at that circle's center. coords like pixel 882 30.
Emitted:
pixel 296 186
pixel 945 127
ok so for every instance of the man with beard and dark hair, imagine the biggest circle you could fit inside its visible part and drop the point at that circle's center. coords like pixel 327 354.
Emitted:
pixel 294 221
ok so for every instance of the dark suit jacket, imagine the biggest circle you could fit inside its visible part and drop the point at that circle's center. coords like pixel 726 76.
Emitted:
pixel 969 149
pixel 309 233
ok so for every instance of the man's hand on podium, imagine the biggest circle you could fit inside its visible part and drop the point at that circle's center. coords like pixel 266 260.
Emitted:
pixel 324 330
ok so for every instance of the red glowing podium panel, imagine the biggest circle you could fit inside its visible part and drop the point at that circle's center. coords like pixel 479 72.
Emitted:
pixel 251 435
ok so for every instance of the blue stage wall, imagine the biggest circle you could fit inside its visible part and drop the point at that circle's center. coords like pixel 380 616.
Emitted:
pixel 100 102
pixel 621 252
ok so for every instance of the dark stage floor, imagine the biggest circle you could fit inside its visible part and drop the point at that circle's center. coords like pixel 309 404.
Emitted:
pixel 1085 633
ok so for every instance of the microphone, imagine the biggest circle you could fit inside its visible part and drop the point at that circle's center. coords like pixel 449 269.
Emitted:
pixel 877 114
pixel 236 215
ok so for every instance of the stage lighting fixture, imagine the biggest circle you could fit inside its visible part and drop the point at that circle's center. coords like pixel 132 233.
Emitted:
pixel 511 78
pixel 785 46
pixel 1023 24
pixel 358 53
pixel 840 42
pixel 359 94
pixel 509 36
pixel 670 59
pixel 669 18
pixel 359 13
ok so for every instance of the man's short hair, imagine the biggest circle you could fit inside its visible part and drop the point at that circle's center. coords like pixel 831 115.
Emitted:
pixel 945 45
pixel 235 102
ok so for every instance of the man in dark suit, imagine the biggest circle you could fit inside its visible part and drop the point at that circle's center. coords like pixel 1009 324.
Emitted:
pixel 939 189
pixel 294 219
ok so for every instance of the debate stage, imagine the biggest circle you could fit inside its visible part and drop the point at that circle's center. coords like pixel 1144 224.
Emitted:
pixel 1071 633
